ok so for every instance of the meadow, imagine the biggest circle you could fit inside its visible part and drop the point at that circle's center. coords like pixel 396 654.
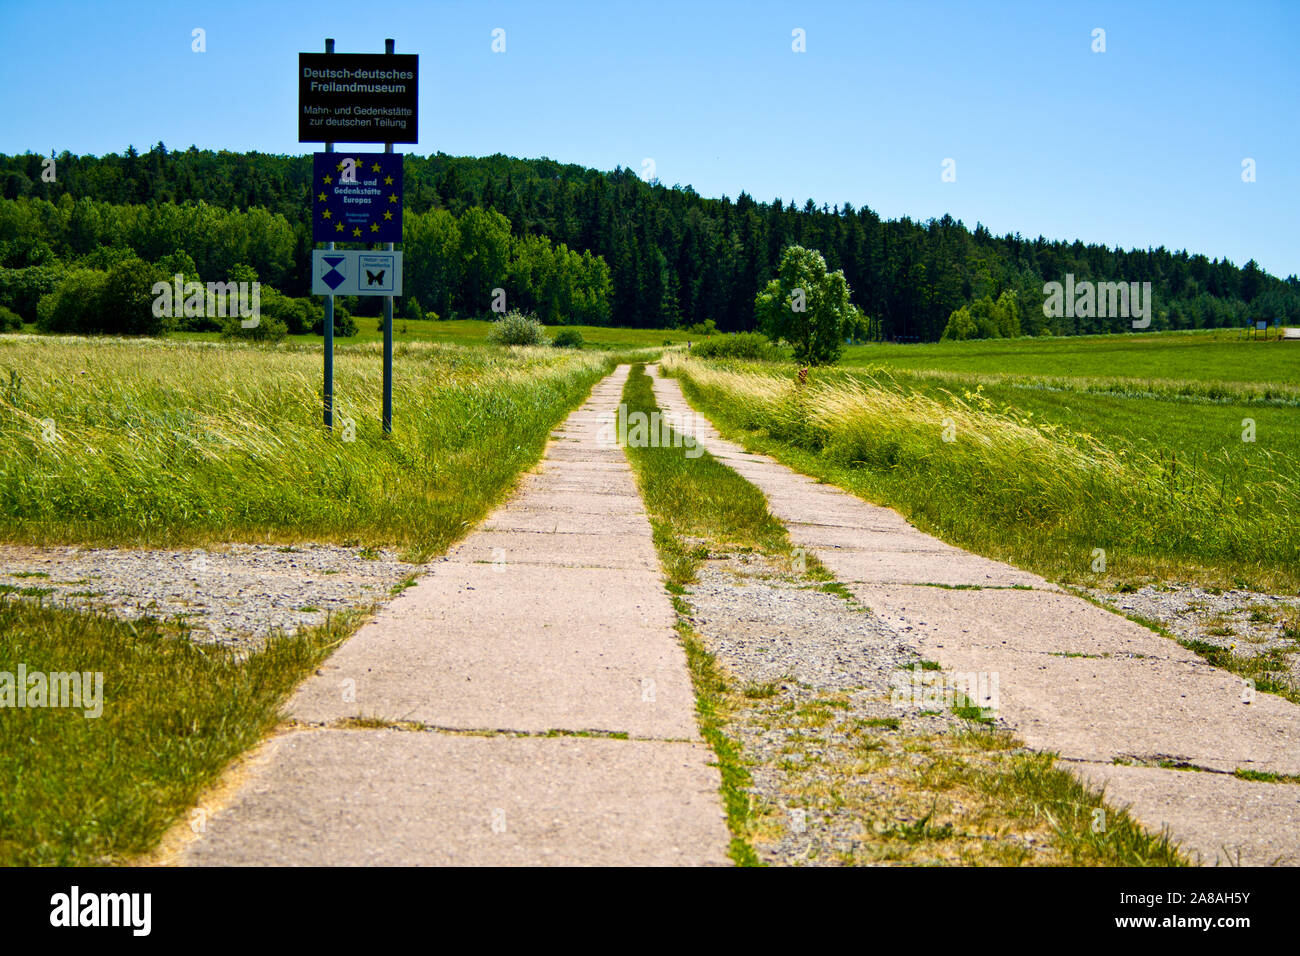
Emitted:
pixel 1219 355
pixel 470 332
pixel 1159 480
pixel 156 442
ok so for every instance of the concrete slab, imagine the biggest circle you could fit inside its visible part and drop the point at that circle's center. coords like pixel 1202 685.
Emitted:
pixel 392 798
pixel 553 617
pixel 1219 820
pixel 955 569
pixel 1142 709
pixel 541 498
pixel 504 548
pixel 565 522
pixel 1038 622
pixel 583 451
pixel 551 466
pixel 472 647
pixel 881 537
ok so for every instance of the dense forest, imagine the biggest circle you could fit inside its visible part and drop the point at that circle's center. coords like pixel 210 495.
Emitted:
pixel 578 245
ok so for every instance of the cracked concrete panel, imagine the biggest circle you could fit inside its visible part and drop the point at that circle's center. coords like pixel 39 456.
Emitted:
pixel 1218 819
pixel 412 798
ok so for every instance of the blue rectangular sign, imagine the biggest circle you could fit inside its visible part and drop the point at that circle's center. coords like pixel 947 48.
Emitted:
pixel 356 197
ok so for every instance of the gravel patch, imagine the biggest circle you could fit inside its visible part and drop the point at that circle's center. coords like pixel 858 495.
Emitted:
pixel 1248 623
pixel 767 628
pixel 234 596
pixel 815 674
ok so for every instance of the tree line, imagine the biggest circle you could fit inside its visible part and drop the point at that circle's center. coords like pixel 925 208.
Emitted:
pixel 580 245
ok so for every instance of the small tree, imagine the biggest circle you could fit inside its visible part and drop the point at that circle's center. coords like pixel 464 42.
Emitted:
pixel 961 326
pixel 807 307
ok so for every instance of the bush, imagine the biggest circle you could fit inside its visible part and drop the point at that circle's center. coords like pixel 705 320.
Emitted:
pixel 344 325
pixel 116 302
pixel 567 339
pixel 10 321
pixel 22 289
pixel 741 345
pixel 73 306
pixel 299 316
pixel 269 328
pixel 707 327
pixel 127 305
pixel 516 328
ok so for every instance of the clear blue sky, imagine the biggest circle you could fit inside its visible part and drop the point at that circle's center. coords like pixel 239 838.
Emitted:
pixel 1140 145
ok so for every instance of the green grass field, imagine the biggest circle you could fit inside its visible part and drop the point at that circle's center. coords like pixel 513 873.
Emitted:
pixel 81 791
pixel 1046 468
pixel 179 443
pixel 471 332
pixel 1219 355
pixel 166 443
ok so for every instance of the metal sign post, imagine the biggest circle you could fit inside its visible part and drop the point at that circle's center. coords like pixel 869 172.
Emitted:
pixel 389 48
pixel 329 320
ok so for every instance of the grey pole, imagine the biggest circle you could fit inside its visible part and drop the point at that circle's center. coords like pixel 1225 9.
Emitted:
pixel 389 47
pixel 329 319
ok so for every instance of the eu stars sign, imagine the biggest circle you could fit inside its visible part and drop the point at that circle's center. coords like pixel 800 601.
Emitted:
pixel 357 197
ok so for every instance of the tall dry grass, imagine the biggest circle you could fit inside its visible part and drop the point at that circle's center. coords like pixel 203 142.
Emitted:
pixel 135 442
pixel 1041 494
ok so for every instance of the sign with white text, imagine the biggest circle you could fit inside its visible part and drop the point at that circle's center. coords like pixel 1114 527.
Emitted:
pixel 358 97
pixel 356 197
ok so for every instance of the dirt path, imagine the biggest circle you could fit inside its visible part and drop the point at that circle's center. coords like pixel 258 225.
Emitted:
pixel 527 702
pixel 1119 703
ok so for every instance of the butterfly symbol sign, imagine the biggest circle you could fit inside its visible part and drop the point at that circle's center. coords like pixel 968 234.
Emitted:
pixel 354 272
pixel 378 272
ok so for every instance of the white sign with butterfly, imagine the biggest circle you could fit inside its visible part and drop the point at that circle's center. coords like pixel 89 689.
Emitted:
pixel 353 272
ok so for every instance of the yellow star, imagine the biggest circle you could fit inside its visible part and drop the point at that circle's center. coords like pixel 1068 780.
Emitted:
pixel 374 227
pixel 325 214
pixel 356 231
pixel 321 197
pixel 328 179
pixel 338 227
pixel 388 180
pixel 339 167
pixel 392 197
pixel 388 214
pixel 360 165
pixel 374 168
